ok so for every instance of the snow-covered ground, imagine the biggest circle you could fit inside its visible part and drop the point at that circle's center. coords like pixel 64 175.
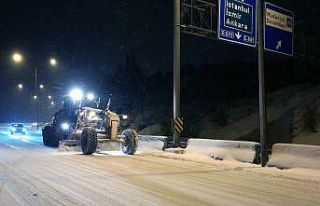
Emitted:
pixel 31 174
pixel 299 173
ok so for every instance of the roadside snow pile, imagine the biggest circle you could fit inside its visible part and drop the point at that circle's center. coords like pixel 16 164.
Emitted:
pixel 151 143
pixel 224 150
pixel 285 156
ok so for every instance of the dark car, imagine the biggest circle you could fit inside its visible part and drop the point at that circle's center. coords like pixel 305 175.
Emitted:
pixel 17 129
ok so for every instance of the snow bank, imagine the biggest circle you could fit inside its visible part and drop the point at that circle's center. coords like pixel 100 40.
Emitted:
pixel 286 156
pixel 223 149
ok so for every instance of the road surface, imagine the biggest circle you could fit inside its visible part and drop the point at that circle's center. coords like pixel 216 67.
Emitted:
pixel 31 174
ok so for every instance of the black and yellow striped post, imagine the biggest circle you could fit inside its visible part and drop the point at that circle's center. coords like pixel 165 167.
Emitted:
pixel 178 125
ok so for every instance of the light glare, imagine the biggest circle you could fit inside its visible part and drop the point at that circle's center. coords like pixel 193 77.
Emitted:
pixel 90 96
pixel 76 94
pixel 65 126
pixel 53 62
pixel 17 58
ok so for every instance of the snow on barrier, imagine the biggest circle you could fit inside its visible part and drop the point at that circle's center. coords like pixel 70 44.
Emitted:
pixel 224 150
pixel 285 156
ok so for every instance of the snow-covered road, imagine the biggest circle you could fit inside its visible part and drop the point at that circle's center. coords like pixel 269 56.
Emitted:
pixel 31 174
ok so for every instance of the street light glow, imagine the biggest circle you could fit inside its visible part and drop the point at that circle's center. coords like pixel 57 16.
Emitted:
pixel 35 97
pixel 17 58
pixel 41 86
pixel 20 86
pixel 49 97
pixel 52 103
pixel 76 94
pixel 90 96
pixel 53 62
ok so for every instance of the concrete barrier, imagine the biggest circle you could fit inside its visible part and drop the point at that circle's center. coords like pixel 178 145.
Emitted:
pixel 152 143
pixel 285 156
pixel 222 149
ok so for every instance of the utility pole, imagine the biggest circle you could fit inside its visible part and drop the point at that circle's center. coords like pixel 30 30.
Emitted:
pixel 176 70
pixel 262 84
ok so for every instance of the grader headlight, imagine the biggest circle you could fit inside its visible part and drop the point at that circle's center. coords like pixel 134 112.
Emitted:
pixel 92 116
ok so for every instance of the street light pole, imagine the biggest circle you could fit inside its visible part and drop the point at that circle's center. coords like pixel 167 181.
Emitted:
pixel 18 58
pixel 36 91
pixel 176 72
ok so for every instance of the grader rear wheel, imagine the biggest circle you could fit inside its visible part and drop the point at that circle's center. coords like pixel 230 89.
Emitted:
pixel 130 144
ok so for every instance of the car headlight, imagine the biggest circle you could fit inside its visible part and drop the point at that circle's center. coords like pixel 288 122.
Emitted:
pixel 13 129
pixel 65 126
pixel 24 130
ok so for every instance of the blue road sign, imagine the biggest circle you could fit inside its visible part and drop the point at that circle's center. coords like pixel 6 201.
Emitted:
pixel 237 21
pixel 279 29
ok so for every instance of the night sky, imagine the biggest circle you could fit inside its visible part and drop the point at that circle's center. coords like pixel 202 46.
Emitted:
pixel 81 32
pixel 93 36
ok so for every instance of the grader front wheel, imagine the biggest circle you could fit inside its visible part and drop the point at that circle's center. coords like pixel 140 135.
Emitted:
pixel 88 141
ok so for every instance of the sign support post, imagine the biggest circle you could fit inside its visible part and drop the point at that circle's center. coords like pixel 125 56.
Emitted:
pixel 176 70
pixel 262 90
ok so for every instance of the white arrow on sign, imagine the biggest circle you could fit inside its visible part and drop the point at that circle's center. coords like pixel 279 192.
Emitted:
pixel 279 44
pixel 238 35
